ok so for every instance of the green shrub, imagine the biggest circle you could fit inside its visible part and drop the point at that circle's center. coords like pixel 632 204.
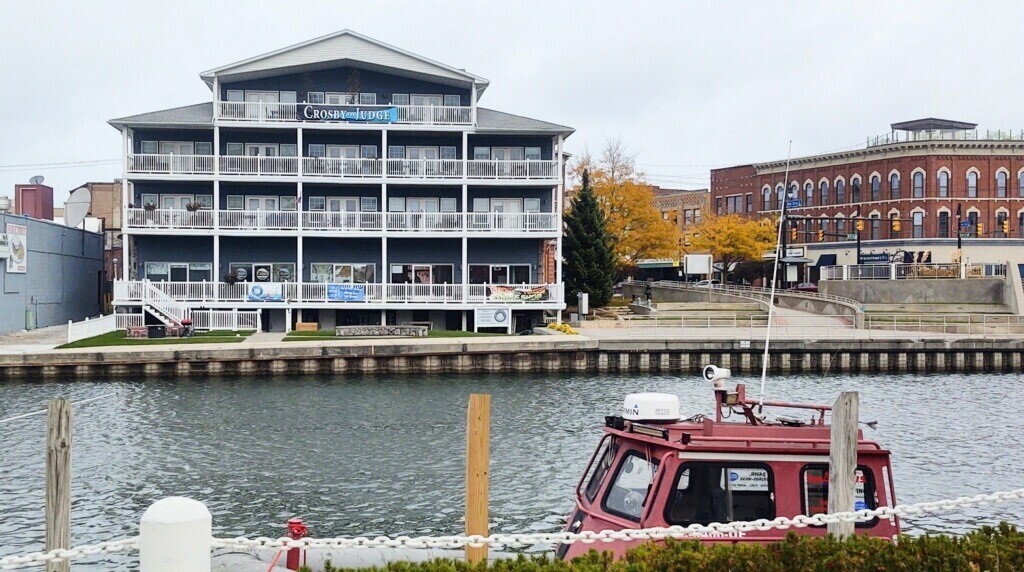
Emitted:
pixel 986 549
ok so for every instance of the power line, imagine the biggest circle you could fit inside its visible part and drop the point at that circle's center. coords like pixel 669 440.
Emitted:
pixel 59 165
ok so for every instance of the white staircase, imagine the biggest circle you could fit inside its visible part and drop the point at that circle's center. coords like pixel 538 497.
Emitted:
pixel 166 309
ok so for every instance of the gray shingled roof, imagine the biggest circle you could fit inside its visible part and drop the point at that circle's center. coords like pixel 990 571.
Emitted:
pixel 201 114
pixel 198 114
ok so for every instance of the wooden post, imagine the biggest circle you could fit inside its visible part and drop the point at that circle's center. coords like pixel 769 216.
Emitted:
pixel 478 471
pixel 58 480
pixel 842 463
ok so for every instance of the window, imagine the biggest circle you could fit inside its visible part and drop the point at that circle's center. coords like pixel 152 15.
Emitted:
pixel 808 194
pixel 894 186
pixel 841 228
pixel 340 98
pixel 343 273
pixel 317 150
pixel 450 153
pixel 499 273
pixel 396 152
pixel 368 204
pixel 531 205
pixel 235 149
pixel 766 199
pixel 893 233
pixel 367 99
pixel 396 204
pixel 943 230
pixel 315 97
pixel 287 203
pixel 733 204
pixel 204 148
pixel 601 467
pixel 708 492
pixel 1000 217
pixel 1020 183
pixel 918 185
pixel 400 99
pixel 750 202
pixel 235 202
pixel 481 153
pixel 317 203
pixel 150 199
pixel 972 184
pixel 205 201
pixel 840 192
pixel 288 97
pixel 696 216
pixel 1001 180
pixel 449 204
pixel 1020 225
pixel 876 227
pixel 421 273
pixel 718 205
pixel 453 100
pixel 235 95
pixel 368 151
pixel 150 147
pixel 823 192
pixel 855 190
pixel 779 197
pixel 533 154
pixel 943 184
pixel 628 491
pixel 972 221
pixel 815 491
pixel 158 271
pixel 918 224
pixel 289 150
pixel 876 188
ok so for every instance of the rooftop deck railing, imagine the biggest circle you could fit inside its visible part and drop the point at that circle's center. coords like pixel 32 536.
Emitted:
pixel 946 135
pixel 274 112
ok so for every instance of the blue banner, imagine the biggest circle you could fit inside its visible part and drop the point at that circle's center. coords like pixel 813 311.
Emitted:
pixel 265 292
pixel 349 113
pixel 345 293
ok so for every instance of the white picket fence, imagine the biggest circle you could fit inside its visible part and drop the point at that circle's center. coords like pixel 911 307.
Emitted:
pixel 91 327
pixel 226 320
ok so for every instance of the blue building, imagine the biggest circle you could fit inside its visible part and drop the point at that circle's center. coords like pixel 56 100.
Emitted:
pixel 343 181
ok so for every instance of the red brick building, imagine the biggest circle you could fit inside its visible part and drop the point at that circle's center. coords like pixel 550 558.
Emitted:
pixel 921 175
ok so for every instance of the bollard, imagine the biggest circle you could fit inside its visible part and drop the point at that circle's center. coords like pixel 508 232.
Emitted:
pixel 297 531
pixel 175 535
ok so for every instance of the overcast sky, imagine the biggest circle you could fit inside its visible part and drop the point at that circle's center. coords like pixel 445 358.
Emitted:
pixel 686 85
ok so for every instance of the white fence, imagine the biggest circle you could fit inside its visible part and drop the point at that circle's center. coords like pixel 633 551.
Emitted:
pixel 89 328
pixel 231 320
pixel 959 324
pixel 901 271
pixel 737 326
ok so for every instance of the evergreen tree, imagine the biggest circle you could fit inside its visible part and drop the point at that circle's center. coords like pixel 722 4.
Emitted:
pixel 589 264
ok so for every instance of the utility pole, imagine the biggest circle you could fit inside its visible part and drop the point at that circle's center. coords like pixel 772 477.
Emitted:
pixel 959 237
pixel 858 241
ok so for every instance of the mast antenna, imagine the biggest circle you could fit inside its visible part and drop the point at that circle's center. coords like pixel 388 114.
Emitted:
pixel 775 273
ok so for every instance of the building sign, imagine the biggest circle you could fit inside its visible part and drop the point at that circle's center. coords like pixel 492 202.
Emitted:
pixel 264 292
pixel 516 294
pixel 657 262
pixel 5 246
pixel 493 317
pixel 17 242
pixel 345 293
pixel 879 258
pixel 351 113
pixel 794 203
pixel 795 252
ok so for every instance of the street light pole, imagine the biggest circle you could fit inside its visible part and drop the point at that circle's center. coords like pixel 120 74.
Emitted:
pixel 858 242
pixel 959 236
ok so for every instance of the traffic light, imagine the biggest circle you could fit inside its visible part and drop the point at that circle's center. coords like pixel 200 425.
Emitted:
pixel 792 234
pixel 860 224
pixel 981 229
pixel 821 236
pixel 1006 226
pixel 896 225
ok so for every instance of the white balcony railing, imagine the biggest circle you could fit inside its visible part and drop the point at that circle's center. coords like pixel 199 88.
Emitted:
pixel 324 113
pixel 422 221
pixel 512 169
pixel 342 221
pixel 170 218
pixel 126 291
pixel 337 167
pixel 489 221
pixel 249 165
pixel 259 220
pixel 424 168
pixel 170 164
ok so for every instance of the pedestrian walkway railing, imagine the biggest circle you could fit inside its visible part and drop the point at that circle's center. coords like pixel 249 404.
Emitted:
pixel 899 271
pixel 736 326
pixel 953 324
pixel 758 293
pixel 175 534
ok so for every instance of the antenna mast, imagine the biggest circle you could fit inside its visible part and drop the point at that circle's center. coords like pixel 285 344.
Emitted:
pixel 775 273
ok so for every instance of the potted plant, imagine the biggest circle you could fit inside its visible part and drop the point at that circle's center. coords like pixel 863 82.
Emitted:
pixel 149 206
pixel 193 206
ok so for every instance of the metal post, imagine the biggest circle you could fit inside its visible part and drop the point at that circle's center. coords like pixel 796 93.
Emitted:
pixel 478 431
pixel 858 244
pixel 58 480
pixel 842 464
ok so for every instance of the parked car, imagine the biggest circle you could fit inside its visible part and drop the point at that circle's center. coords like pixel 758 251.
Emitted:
pixel 805 287
pixel 707 283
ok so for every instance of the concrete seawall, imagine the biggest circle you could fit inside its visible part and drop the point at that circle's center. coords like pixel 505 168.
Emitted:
pixel 511 355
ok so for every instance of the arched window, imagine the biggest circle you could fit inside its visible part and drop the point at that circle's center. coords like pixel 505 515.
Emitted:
pixel 1001 179
pixel 876 188
pixel 876 226
pixel 841 191
pixel 809 194
pixel 893 232
pixel 943 184
pixel 1020 225
pixel 1020 183
pixel 766 199
pixel 1000 217
pixel 918 224
pixel 918 185
pixel 855 190
pixel 894 186
pixel 943 227
pixel 972 184
pixel 779 197
pixel 823 193
pixel 840 228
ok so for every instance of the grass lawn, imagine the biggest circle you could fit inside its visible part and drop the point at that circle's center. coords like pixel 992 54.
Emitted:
pixel 118 338
pixel 306 336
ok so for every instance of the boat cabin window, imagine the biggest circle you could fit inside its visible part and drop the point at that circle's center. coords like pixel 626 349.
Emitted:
pixel 625 496
pixel 706 492
pixel 814 479
pixel 600 469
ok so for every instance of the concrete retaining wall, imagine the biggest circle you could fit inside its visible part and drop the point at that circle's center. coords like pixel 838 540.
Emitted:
pixel 548 354
pixel 972 291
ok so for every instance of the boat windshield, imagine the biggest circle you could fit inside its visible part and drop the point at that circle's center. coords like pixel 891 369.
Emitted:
pixel 600 469
pixel 716 492
pixel 626 495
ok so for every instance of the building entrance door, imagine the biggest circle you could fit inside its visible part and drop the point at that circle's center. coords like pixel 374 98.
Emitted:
pixel 509 211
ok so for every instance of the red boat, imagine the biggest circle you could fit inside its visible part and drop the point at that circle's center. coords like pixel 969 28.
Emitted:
pixel 654 469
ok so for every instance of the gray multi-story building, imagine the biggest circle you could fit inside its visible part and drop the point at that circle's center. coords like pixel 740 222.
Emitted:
pixel 342 181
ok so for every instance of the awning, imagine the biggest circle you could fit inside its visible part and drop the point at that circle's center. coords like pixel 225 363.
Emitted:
pixel 826 260
pixel 797 260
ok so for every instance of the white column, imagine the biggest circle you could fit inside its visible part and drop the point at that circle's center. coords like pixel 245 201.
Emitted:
pixel 558 221
pixel 472 101
pixel 465 241
pixel 465 158
pixel 385 276
pixel 216 203
pixel 384 154
pixel 298 146
pixel 298 263
pixel 216 98
pixel 298 204
pixel 126 240
pixel 174 535
pixel 216 258
pixel 216 150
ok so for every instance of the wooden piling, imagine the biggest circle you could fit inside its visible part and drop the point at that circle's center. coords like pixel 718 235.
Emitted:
pixel 842 463
pixel 58 480
pixel 478 471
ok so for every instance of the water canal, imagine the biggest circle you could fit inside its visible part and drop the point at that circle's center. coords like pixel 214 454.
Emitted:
pixel 384 455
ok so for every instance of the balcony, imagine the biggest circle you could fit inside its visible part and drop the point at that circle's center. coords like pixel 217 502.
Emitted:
pixel 269 112
pixel 166 220
pixel 249 165
pixel 134 291
pixel 170 164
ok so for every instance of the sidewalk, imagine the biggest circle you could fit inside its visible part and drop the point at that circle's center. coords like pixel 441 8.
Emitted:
pixel 34 341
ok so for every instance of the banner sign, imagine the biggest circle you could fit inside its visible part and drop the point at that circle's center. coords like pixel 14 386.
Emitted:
pixel 493 317
pixel 516 294
pixel 17 242
pixel 352 113
pixel 795 252
pixel 265 292
pixel 345 293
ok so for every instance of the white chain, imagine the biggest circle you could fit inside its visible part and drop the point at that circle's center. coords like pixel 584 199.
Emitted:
pixel 586 537
pixel 39 558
